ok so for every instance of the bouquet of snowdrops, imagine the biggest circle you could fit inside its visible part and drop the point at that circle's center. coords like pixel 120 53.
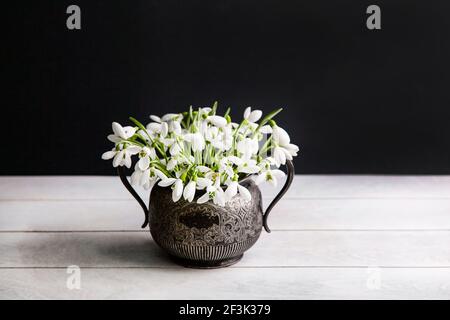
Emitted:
pixel 201 151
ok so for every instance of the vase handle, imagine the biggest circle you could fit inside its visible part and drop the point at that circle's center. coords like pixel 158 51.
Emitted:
pixel 133 192
pixel 287 184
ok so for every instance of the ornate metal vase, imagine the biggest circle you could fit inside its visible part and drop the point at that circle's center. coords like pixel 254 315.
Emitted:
pixel 206 235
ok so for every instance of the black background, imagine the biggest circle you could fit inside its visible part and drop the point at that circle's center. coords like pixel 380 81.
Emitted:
pixel 356 101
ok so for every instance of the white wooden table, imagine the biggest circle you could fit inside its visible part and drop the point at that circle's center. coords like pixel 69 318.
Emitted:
pixel 334 237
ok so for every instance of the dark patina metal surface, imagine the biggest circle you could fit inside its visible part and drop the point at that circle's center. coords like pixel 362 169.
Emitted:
pixel 205 235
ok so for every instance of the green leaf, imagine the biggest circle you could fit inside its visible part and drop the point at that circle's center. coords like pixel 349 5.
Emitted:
pixel 214 108
pixel 137 123
pixel 270 116
pixel 227 112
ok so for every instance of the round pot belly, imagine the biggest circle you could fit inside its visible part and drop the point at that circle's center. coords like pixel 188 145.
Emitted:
pixel 205 235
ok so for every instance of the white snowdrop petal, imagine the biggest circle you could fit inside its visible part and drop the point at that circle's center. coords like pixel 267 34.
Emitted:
pixel 160 175
pixel 171 164
pixel 136 177
pixel 203 183
pixel 176 127
pixel 166 182
pixel 108 155
pixel 170 116
pixel 281 136
pixel 144 162
pixel 175 149
pixel 292 148
pixel 278 174
pixel 152 153
pixel 273 181
pixel 114 138
pixel 118 130
pixel 218 121
pixel 118 158
pixel 155 118
pixel 204 198
pixel 279 155
pixel 189 191
pixel 231 190
pixel 203 169
pixel 287 154
pixel 177 190
pixel 266 129
pixel 129 132
pixel 245 193
pixel 220 197
pixel 247 112
pixel 260 178
pixel 127 160
pixel 255 115
pixel 154 127
pixel 132 150
pixel 164 129
pixel 145 176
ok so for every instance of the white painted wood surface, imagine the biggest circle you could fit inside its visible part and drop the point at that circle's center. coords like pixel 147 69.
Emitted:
pixel 335 237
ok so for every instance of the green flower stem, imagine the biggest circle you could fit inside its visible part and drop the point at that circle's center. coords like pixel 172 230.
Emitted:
pixel 161 168
pixel 236 132
pixel 141 126
pixel 214 108
pixel 132 142
pixel 161 151
pixel 265 145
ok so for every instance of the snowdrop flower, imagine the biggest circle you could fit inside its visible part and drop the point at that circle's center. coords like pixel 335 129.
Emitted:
pixel 175 127
pixel 177 187
pixel 283 148
pixel 249 166
pixel 203 169
pixel 206 152
pixel 280 136
pixel 145 155
pixel 155 128
pixel 266 129
pixel 279 155
pixel 214 136
pixel 204 111
pixel 218 121
pixel 248 147
pixel 214 193
pixel 146 178
pixel 252 116
pixel 168 123
pixel 227 163
pixel 227 137
pixel 189 191
pixel 197 141
pixel 171 164
pixel 121 157
pixel 175 149
pixel 121 133
pixel 167 117
pixel 234 188
pixel 203 183
pixel 270 176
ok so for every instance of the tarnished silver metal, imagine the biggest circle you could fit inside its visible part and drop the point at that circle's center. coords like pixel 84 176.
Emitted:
pixel 206 235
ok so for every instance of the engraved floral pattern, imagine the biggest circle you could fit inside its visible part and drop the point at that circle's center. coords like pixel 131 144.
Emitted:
pixel 193 224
